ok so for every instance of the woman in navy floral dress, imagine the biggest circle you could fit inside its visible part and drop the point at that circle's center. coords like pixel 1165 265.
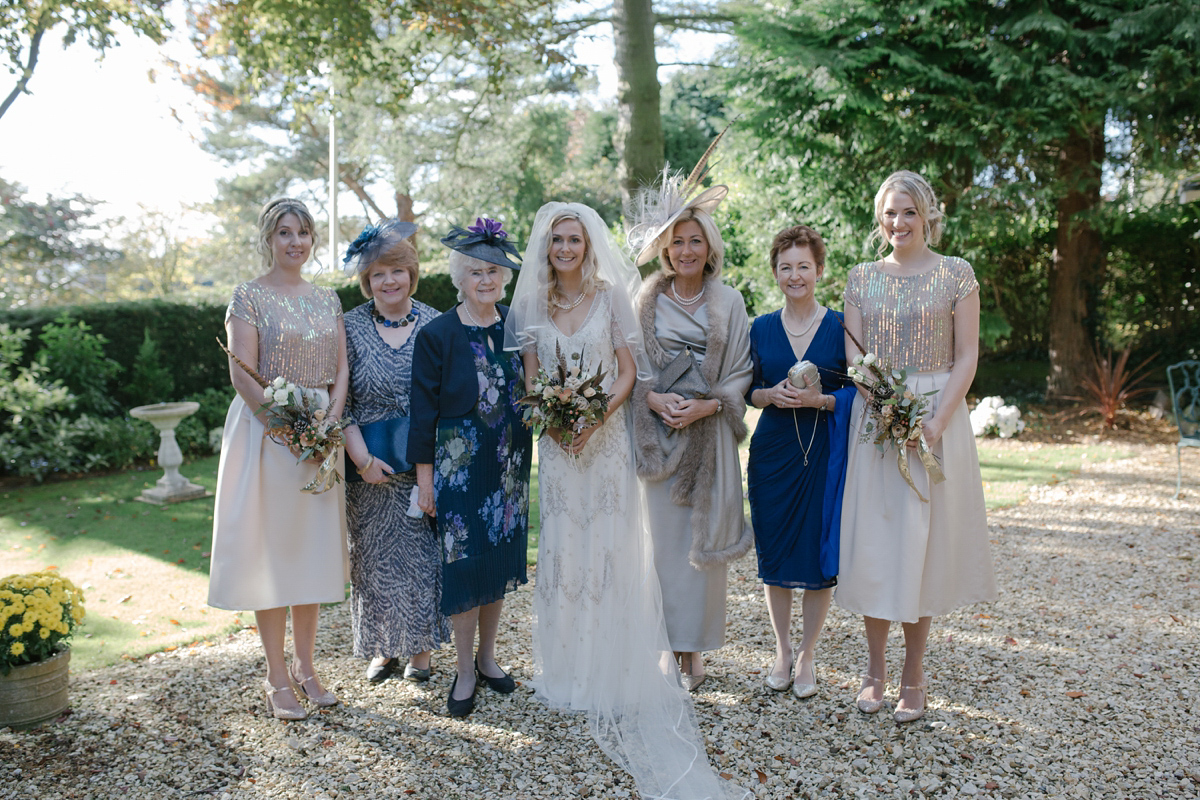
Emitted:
pixel 472 452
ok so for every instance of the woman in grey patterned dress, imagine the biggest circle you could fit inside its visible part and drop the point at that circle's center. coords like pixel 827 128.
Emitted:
pixel 395 566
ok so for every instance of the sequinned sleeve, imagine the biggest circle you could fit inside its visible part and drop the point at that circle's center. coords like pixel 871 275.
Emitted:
pixel 853 293
pixel 242 306
pixel 966 279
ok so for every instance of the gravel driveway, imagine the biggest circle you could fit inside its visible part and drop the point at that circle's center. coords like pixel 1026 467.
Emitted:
pixel 1081 682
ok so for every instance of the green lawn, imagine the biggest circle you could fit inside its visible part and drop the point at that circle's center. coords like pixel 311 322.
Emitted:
pixel 1008 474
pixel 143 568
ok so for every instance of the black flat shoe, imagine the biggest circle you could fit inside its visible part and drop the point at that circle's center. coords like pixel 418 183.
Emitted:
pixel 415 675
pixel 378 674
pixel 459 708
pixel 504 684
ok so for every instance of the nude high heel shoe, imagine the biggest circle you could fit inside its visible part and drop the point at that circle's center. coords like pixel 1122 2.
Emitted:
pixel 323 700
pixel 903 715
pixel 277 712
pixel 866 705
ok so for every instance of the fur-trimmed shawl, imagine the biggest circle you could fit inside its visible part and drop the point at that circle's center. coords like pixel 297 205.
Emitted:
pixel 694 457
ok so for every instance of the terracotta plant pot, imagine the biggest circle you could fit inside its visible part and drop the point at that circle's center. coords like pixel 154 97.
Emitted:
pixel 33 693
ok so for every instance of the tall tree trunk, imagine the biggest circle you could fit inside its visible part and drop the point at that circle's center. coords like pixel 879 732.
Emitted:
pixel 1078 262
pixel 639 117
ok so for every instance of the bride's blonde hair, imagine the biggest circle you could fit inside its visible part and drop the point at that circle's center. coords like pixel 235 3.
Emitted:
pixel 591 280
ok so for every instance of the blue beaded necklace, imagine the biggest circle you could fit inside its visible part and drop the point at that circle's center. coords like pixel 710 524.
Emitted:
pixel 387 323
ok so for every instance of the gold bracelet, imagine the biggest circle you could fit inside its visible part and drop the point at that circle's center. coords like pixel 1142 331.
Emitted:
pixel 367 465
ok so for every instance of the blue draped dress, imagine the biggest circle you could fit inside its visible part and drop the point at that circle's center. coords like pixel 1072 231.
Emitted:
pixel 795 508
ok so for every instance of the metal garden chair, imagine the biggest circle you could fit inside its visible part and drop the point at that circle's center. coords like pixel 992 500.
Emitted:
pixel 1184 380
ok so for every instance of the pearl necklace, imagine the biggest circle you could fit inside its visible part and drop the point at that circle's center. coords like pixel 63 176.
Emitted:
pixel 691 300
pixel 572 304
pixel 408 318
pixel 807 328
pixel 478 324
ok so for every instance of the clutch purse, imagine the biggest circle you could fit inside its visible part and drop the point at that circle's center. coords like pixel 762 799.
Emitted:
pixel 804 374
pixel 386 439
pixel 682 377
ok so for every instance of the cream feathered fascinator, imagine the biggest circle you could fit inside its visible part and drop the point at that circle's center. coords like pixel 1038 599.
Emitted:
pixel 654 210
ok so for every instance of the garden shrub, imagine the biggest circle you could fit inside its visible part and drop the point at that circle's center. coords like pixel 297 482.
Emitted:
pixel 149 381
pixel 74 355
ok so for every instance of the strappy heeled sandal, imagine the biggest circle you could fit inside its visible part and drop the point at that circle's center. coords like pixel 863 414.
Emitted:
pixel 323 700
pixel 277 712
pixel 865 705
pixel 903 715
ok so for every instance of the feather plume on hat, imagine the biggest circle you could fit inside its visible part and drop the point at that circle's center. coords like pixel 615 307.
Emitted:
pixel 654 210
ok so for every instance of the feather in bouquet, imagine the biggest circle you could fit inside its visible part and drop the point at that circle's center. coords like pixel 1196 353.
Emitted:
pixel 565 397
pixel 895 414
pixel 297 419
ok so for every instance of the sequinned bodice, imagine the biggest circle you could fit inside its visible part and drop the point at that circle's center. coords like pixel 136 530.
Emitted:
pixel 297 334
pixel 908 320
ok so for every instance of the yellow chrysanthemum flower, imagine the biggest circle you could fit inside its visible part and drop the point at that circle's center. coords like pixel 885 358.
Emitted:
pixel 17 648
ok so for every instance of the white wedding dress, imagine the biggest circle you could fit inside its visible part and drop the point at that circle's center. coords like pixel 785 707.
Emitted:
pixel 599 640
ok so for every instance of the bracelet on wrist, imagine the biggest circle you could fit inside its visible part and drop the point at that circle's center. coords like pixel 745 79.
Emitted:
pixel 366 466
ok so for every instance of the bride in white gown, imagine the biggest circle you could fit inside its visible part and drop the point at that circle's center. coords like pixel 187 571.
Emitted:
pixel 599 640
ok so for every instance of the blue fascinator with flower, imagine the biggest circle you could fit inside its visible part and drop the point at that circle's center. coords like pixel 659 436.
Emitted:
pixel 486 240
pixel 373 242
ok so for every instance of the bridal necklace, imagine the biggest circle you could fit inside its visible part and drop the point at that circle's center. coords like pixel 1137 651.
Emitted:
pixel 572 304
pixel 478 324
pixel 404 321
pixel 807 328
pixel 691 301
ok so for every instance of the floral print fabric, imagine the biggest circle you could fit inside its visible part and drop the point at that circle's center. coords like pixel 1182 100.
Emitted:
pixel 481 485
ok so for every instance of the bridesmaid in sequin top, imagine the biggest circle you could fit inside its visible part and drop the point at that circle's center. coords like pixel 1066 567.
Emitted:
pixel 903 559
pixel 274 547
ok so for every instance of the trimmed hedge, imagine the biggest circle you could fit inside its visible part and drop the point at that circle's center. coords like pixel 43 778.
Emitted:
pixel 185 334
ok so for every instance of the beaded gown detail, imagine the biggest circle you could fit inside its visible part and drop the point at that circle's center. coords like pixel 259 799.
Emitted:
pixel 901 558
pixel 395 563
pixel 274 545
pixel 600 642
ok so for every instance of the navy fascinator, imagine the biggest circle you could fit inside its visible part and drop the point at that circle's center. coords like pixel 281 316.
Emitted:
pixel 373 242
pixel 486 240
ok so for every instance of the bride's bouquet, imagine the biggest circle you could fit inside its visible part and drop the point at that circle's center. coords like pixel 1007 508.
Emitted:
pixel 895 414
pixel 297 419
pixel 565 397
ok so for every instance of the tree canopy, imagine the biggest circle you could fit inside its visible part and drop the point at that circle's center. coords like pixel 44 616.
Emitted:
pixel 1011 109
pixel 25 23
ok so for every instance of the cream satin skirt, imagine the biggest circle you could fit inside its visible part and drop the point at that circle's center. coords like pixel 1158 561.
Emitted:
pixel 273 545
pixel 902 559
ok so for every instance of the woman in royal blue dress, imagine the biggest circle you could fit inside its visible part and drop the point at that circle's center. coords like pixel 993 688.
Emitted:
pixel 798 453
pixel 472 453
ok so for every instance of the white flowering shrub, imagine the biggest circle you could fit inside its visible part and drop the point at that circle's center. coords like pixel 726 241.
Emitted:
pixel 992 417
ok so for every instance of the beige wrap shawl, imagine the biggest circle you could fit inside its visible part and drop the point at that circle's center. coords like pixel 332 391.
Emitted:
pixel 703 455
